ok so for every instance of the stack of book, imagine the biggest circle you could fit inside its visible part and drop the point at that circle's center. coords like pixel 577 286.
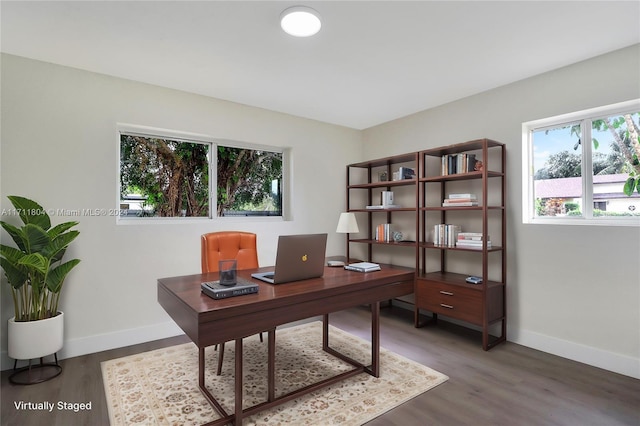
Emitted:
pixel 472 240
pixel 460 200
pixel 458 163
pixel 446 235
pixel 363 267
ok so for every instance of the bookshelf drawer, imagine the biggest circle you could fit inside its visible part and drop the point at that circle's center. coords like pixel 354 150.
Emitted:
pixel 450 300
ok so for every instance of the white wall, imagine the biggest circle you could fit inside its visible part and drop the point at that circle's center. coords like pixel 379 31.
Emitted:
pixel 572 290
pixel 60 148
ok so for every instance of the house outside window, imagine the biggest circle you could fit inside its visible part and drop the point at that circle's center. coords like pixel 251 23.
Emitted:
pixel 568 181
pixel 165 174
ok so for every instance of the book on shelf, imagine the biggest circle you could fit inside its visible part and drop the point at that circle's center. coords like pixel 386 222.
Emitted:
pixel 362 267
pixel 383 232
pixel 445 235
pixel 466 196
pixel 381 207
pixel 406 173
pixel 472 236
pixel 460 200
pixel 472 244
pixel 386 198
pixel 458 163
pixel 216 290
pixel 448 203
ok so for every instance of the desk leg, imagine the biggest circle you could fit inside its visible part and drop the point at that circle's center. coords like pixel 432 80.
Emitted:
pixel 325 332
pixel 375 339
pixel 271 361
pixel 201 367
pixel 239 378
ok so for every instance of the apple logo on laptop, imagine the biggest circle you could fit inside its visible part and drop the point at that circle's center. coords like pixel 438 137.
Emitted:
pixel 304 257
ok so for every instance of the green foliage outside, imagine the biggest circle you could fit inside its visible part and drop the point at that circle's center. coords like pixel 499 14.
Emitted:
pixel 623 158
pixel 173 176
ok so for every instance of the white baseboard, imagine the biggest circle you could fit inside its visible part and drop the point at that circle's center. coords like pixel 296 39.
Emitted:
pixel 103 342
pixel 610 361
pixel 617 363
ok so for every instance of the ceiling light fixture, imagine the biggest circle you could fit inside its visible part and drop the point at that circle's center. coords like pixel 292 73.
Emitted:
pixel 300 21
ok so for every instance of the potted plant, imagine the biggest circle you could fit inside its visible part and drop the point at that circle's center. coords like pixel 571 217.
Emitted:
pixel 36 274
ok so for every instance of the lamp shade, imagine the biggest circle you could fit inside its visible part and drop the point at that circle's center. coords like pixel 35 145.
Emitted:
pixel 347 223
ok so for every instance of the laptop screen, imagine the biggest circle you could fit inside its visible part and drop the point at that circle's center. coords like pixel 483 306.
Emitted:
pixel 298 257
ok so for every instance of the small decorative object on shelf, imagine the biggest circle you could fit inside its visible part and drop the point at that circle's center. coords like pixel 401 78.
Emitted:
pixel 474 280
pixel 397 236
pixel 383 176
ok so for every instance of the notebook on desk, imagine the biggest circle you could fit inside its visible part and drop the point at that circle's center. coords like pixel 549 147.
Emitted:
pixel 298 257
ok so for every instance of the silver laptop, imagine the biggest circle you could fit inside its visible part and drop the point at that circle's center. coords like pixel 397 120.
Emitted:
pixel 299 257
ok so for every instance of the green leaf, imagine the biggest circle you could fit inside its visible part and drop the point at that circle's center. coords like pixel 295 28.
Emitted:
pixel 36 238
pixel 61 242
pixel 58 274
pixel 59 229
pixel 35 261
pixel 16 276
pixel 30 211
pixel 628 186
pixel 16 234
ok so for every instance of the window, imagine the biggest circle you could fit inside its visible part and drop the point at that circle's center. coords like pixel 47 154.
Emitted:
pixel 571 181
pixel 164 174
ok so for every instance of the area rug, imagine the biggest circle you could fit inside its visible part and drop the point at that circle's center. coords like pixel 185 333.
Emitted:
pixel 160 387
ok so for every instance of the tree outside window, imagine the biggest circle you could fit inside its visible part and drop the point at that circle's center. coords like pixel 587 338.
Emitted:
pixel 166 177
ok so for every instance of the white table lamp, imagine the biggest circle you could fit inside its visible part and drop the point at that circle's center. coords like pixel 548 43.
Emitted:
pixel 347 223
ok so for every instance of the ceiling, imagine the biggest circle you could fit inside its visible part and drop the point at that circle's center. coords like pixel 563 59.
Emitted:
pixel 373 61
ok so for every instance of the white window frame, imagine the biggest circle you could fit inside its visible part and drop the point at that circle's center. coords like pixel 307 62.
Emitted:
pixel 213 143
pixel 585 117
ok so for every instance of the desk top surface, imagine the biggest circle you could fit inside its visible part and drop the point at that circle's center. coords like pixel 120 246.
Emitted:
pixel 335 281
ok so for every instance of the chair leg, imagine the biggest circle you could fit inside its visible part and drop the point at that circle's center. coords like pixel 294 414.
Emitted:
pixel 220 358
pixel 221 354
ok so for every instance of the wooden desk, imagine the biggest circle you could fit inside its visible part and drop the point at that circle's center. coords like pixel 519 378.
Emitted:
pixel 207 321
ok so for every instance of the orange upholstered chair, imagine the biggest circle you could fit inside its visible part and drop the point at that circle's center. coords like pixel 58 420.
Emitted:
pixel 216 246
pixel 223 245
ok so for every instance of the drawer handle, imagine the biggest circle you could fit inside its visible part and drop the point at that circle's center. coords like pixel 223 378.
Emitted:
pixel 446 293
pixel 446 306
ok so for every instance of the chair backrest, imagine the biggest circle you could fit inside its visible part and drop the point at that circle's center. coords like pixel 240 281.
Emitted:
pixel 228 245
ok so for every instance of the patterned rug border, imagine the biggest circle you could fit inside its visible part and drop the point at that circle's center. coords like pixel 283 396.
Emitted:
pixel 132 383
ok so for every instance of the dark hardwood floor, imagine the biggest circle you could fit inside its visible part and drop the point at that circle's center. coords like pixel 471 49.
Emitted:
pixel 509 385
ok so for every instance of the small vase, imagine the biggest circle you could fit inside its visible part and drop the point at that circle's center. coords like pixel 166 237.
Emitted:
pixel 35 339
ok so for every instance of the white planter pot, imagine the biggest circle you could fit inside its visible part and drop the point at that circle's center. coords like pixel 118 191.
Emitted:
pixel 35 339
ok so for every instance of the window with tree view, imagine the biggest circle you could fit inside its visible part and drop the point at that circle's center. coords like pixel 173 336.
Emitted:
pixel 584 166
pixel 164 177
